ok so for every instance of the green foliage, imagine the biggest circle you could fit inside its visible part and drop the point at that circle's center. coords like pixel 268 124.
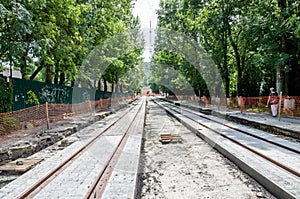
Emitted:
pixel 131 81
pixel 7 124
pixel 154 87
pixel 15 27
pixel 49 40
pixel 247 40
pixel 5 96
pixel 32 98
pixel 169 71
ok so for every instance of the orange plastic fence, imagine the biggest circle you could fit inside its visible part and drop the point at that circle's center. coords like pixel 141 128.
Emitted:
pixel 37 115
pixel 290 105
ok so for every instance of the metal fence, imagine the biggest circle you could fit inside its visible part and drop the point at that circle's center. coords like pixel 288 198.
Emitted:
pixel 55 103
pixel 51 93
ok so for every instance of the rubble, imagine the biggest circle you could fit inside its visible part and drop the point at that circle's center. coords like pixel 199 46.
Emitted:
pixel 39 140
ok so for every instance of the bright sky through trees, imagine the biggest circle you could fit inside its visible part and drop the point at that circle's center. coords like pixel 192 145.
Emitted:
pixel 145 10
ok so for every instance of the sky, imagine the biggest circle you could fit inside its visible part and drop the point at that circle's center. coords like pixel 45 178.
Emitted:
pixel 145 10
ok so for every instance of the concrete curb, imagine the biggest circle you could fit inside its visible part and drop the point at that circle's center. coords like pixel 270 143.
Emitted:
pixel 245 165
pixel 272 128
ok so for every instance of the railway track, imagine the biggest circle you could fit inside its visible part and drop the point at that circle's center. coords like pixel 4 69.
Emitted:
pixel 92 183
pixel 98 187
pixel 104 164
pixel 267 149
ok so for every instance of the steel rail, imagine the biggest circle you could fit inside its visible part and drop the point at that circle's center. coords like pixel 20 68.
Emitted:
pixel 41 183
pixel 244 132
pixel 287 168
pixel 109 165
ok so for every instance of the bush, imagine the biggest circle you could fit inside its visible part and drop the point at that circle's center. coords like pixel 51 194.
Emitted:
pixel 7 124
pixel 32 98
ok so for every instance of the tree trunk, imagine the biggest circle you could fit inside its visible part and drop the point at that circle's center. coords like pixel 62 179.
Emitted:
pixel 225 69
pixel 117 89
pixel 105 84
pixel 48 69
pixel 56 74
pixel 238 63
pixel 55 80
pixel 99 84
pixel 225 53
pixel 34 74
pixel 289 46
pixel 282 4
pixel 48 74
pixel 121 88
pixel 62 78
pixel 24 64
pixel 285 87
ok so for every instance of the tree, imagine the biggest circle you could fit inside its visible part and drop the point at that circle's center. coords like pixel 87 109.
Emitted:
pixel 49 40
pixel 5 96
pixel 16 26
pixel 57 38
pixel 249 41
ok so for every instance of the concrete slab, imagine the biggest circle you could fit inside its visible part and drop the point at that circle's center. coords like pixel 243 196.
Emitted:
pixel 20 165
pixel 76 179
pixel 275 179
pixel 122 183
pixel 289 126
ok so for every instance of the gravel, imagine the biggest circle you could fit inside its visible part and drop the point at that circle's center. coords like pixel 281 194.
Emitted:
pixel 188 169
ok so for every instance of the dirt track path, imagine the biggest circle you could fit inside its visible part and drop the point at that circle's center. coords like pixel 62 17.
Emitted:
pixel 190 169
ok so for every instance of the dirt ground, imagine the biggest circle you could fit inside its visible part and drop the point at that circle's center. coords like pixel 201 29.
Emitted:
pixel 188 169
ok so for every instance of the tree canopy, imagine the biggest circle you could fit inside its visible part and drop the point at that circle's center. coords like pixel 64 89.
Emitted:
pixel 254 44
pixel 49 40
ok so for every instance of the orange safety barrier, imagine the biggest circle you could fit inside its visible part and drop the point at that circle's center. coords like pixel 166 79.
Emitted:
pixel 290 105
pixel 44 114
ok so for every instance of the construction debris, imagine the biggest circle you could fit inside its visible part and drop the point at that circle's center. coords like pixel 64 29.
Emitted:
pixel 166 138
pixel 20 165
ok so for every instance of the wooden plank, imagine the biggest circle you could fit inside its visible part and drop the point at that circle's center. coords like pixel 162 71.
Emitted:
pixel 165 138
pixel 20 165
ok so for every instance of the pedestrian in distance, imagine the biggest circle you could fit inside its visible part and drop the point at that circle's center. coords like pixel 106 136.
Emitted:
pixel 273 101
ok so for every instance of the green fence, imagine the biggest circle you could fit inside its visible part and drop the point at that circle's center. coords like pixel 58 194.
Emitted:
pixel 55 94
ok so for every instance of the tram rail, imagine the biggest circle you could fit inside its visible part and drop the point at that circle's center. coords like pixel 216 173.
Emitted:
pixel 283 154
pixel 98 186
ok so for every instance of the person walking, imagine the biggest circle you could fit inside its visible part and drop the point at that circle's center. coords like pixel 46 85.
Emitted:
pixel 273 101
